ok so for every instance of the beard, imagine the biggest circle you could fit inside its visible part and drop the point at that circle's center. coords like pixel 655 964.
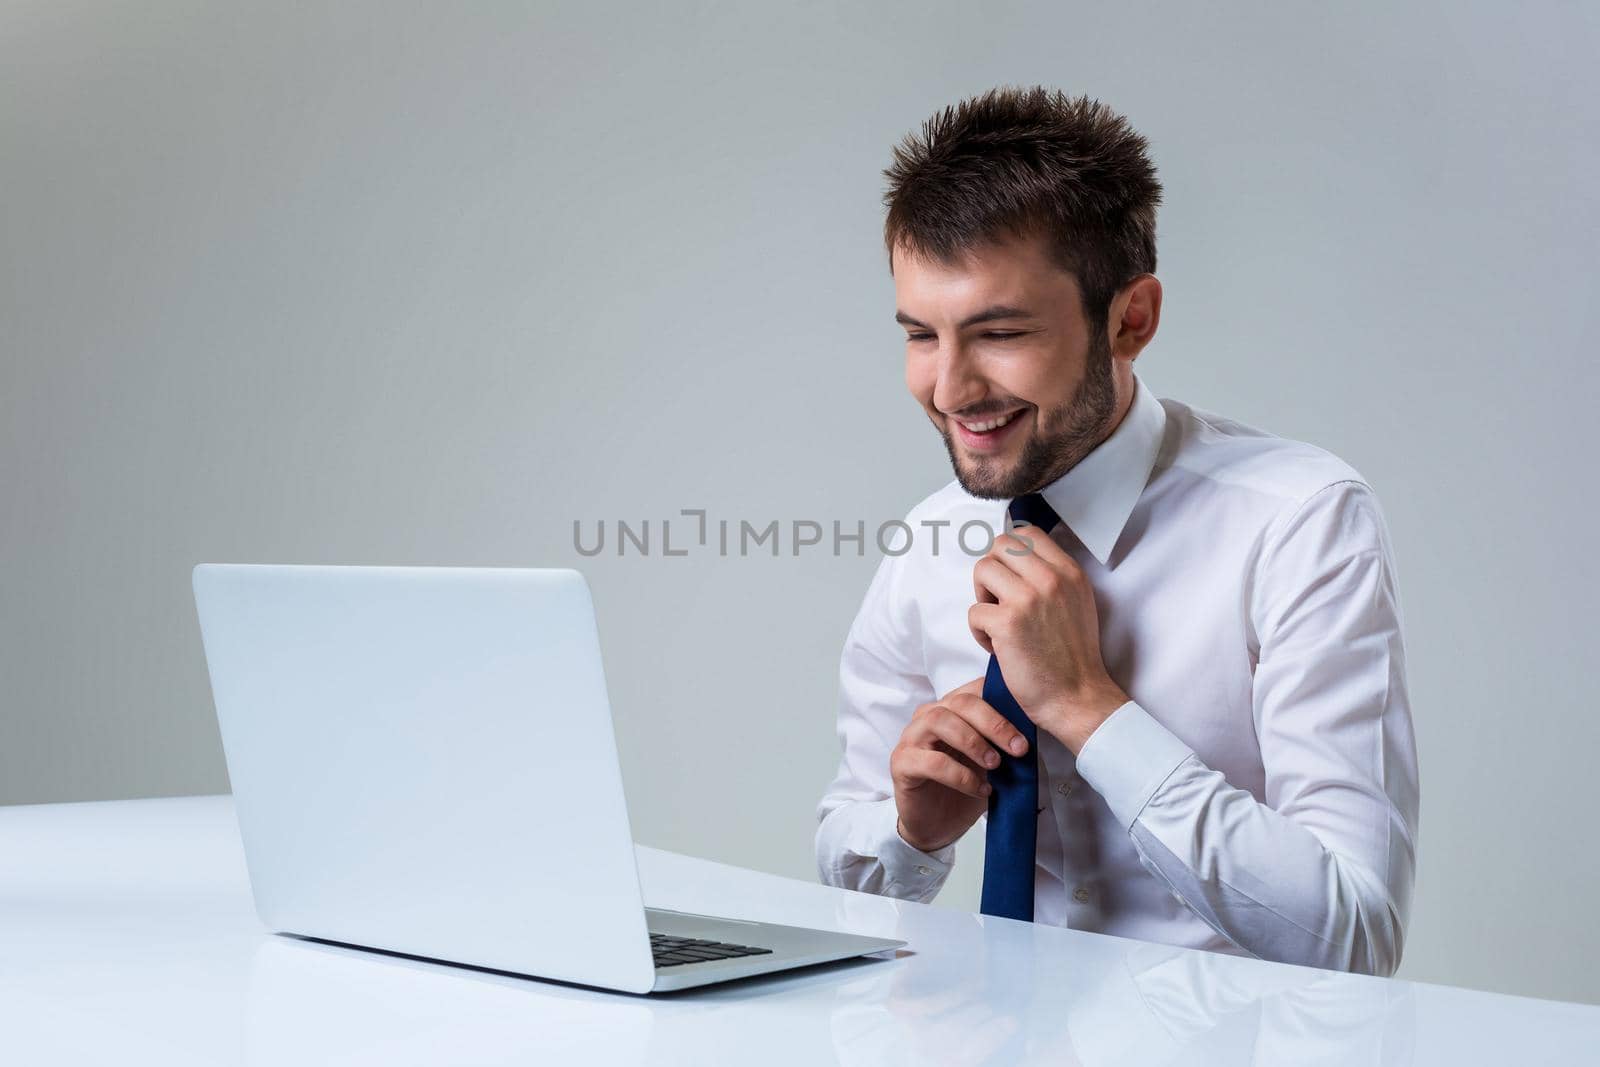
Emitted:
pixel 1064 436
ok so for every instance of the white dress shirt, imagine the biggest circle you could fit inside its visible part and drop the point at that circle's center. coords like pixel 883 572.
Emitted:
pixel 1258 792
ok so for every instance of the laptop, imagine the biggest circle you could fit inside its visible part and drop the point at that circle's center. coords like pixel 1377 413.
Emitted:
pixel 423 762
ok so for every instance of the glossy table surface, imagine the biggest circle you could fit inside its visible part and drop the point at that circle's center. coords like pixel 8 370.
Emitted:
pixel 127 935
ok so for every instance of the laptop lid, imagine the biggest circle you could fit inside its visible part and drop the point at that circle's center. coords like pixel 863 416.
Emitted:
pixel 422 761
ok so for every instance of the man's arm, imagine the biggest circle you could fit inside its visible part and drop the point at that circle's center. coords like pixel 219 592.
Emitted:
pixel 1322 872
pixel 881 683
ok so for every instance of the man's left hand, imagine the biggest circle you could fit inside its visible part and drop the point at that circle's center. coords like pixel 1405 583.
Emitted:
pixel 1036 614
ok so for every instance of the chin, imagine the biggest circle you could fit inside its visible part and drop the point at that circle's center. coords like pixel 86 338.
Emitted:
pixel 987 476
pixel 986 479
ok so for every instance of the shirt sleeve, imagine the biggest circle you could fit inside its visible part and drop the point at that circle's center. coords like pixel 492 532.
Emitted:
pixel 1320 870
pixel 881 682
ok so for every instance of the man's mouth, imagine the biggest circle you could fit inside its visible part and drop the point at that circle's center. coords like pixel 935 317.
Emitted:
pixel 986 435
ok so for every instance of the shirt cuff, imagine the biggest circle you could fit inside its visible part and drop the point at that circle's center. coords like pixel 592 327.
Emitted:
pixel 1127 758
pixel 910 869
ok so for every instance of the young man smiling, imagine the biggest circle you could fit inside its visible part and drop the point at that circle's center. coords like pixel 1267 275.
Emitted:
pixel 1178 701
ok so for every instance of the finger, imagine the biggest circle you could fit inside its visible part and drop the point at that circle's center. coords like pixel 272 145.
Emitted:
pixel 1052 576
pixel 926 765
pixel 956 732
pixel 1029 541
pixel 982 620
pixel 992 581
pixel 982 716
pixel 923 732
pixel 1027 559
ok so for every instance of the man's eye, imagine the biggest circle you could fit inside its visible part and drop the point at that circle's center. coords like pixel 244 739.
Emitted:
pixel 992 335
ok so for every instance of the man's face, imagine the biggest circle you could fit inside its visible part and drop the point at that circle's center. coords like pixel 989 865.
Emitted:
pixel 1000 356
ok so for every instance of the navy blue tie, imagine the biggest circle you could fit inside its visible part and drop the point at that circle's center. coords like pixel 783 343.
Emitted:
pixel 1013 821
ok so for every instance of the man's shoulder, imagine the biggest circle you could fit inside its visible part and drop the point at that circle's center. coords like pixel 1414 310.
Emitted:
pixel 1234 455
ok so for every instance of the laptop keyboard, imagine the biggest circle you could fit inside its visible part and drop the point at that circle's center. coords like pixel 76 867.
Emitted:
pixel 673 951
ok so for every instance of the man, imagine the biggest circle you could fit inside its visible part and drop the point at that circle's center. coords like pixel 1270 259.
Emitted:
pixel 1200 630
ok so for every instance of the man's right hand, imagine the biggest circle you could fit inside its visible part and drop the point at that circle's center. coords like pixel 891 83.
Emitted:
pixel 941 766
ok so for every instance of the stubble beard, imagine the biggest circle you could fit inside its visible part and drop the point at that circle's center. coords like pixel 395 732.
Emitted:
pixel 1064 436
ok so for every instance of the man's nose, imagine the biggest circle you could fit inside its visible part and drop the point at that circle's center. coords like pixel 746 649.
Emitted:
pixel 959 384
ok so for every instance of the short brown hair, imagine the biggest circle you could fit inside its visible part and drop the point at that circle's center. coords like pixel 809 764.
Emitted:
pixel 1015 161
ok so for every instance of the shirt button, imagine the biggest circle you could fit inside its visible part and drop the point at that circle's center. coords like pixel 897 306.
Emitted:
pixel 924 870
pixel 1081 895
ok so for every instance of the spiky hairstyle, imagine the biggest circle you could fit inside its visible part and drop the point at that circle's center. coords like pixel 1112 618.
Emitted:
pixel 1019 161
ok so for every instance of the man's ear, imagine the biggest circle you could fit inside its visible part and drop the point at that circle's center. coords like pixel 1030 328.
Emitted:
pixel 1134 315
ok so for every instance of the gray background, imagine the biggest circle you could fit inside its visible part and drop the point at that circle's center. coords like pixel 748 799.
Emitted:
pixel 388 284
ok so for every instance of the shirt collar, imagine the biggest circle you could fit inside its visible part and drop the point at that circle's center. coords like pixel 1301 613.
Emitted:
pixel 1096 497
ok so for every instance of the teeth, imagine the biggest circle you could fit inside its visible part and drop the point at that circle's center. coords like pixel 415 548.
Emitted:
pixel 992 424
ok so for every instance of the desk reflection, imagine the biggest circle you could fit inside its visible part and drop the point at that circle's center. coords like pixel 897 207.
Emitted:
pixel 973 995
pixel 313 1003
pixel 990 996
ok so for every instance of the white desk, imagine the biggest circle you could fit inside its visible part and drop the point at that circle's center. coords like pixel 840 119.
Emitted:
pixel 127 936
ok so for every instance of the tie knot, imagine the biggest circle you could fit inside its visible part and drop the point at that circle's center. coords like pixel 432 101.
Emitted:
pixel 1032 509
